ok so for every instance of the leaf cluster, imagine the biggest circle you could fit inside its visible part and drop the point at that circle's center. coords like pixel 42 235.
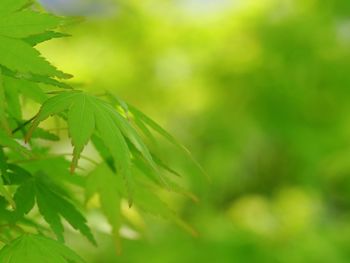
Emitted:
pixel 35 182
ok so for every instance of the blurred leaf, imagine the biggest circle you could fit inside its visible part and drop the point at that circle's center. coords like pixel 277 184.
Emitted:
pixel 106 184
pixel 51 205
pixel 34 248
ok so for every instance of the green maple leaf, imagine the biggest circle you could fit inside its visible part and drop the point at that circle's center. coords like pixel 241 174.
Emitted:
pixel 34 78
pixel 113 131
pixel 35 249
pixel 107 185
pixel 52 205
pixel 81 123
pixel 103 182
pixel 145 124
pixel 27 23
pixel 15 26
pixel 87 114
pixel 28 59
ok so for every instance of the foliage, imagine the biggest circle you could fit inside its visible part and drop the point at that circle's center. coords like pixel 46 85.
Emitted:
pixel 36 248
pixel 35 181
pixel 259 89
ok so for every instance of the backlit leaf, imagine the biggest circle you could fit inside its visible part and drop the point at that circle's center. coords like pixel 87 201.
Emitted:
pixel 81 123
pixel 28 59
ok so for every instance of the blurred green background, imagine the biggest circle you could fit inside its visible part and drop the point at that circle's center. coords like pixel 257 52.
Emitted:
pixel 259 92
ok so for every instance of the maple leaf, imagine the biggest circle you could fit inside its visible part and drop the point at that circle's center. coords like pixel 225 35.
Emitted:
pixel 27 23
pixel 52 205
pixel 36 248
pixel 17 24
pixel 112 126
pixel 87 114
pixel 103 182
pixel 145 124
pixel 28 59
